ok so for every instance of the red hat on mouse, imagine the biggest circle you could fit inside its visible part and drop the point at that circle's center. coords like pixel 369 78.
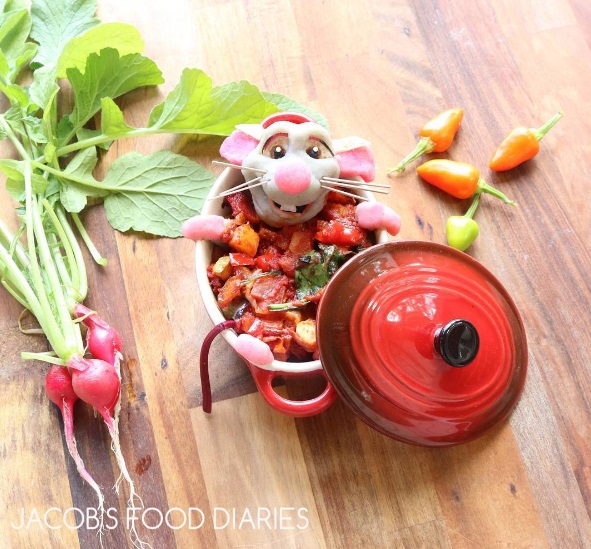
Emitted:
pixel 294 117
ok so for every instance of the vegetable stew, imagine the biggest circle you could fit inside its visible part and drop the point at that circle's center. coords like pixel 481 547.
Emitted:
pixel 270 279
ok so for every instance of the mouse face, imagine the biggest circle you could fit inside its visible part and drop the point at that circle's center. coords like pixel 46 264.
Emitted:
pixel 296 158
pixel 288 158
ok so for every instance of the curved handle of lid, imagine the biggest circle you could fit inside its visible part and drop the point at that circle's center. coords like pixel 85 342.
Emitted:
pixel 457 343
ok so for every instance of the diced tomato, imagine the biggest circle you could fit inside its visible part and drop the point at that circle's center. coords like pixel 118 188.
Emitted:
pixel 267 290
pixel 229 291
pixel 277 238
pixel 239 260
pixel 301 242
pixel 268 262
pixel 335 232
pixel 256 329
pixel 288 262
pixel 332 210
pixel 241 202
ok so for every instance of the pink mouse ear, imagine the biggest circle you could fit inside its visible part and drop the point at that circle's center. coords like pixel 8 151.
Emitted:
pixel 237 146
pixel 357 162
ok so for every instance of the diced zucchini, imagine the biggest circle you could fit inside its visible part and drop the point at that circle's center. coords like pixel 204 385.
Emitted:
pixel 222 267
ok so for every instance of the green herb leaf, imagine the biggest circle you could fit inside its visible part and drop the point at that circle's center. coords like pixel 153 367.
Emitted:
pixel 311 275
pixel 196 106
pixel 333 258
pixel 124 38
pixel 314 269
pixel 56 22
pixel 155 193
pixel 286 104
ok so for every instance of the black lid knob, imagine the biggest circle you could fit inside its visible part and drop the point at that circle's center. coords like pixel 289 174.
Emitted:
pixel 457 343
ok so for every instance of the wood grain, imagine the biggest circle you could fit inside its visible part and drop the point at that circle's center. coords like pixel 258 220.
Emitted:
pixel 378 69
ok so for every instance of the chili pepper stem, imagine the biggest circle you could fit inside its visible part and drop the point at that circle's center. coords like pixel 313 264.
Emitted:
pixel 484 187
pixel 424 145
pixel 543 130
pixel 473 206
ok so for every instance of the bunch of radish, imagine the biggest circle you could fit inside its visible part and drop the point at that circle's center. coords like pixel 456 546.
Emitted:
pixel 96 381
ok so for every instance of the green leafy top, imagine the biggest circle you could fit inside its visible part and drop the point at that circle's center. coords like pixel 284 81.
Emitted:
pixel 103 61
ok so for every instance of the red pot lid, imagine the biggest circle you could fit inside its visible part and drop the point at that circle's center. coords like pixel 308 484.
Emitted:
pixel 422 342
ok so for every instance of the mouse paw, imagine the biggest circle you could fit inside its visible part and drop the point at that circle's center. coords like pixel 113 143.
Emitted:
pixel 204 227
pixel 254 350
pixel 374 215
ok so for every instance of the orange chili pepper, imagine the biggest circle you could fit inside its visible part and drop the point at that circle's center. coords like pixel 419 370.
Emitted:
pixel 457 179
pixel 520 145
pixel 437 135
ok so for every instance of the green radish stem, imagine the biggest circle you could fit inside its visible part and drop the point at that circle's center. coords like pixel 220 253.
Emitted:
pixel 72 340
pixel 76 251
pixel 43 357
pixel 73 271
pixel 96 255
pixel 11 243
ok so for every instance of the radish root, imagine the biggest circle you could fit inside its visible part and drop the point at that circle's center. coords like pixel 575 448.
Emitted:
pixel 112 423
pixel 67 414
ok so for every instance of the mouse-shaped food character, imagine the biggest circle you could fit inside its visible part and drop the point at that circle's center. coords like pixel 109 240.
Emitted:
pixel 290 165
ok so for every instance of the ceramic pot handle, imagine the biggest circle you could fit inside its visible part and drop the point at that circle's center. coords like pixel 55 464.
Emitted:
pixel 264 379
pixel 295 408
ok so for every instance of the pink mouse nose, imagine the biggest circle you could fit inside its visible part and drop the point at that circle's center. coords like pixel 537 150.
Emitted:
pixel 292 176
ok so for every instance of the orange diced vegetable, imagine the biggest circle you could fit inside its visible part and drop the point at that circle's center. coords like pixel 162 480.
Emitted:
pixel 245 240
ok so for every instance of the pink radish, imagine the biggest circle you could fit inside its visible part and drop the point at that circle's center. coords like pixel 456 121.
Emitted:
pixel 58 386
pixel 104 342
pixel 98 383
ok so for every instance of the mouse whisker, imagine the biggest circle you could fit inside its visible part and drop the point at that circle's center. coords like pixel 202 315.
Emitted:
pixel 230 165
pixel 337 190
pixel 242 187
pixel 360 186
pixel 353 182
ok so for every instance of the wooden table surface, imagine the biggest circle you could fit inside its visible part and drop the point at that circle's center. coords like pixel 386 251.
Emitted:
pixel 377 69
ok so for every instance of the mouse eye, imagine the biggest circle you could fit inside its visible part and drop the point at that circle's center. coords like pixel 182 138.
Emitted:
pixel 317 149
pixel 276 146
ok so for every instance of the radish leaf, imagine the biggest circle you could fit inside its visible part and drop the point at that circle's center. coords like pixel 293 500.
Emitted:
pixel 154 193
pixel 72 196
pixel 55 22
pixel 120 36
pixel 196 105
pixel 112 121
pixel 107 75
